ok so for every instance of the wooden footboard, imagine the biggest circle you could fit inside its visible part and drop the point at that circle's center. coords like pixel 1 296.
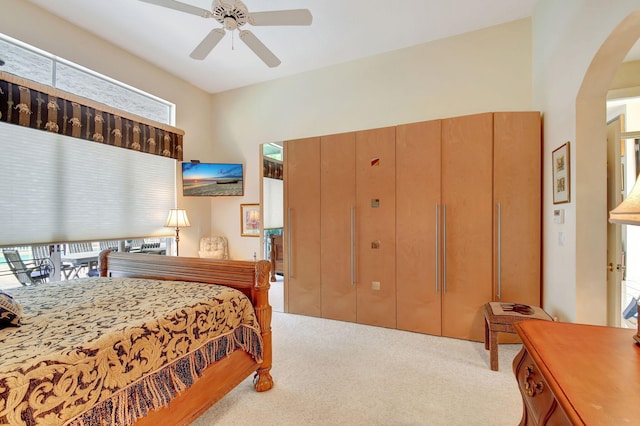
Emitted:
pixel 252 278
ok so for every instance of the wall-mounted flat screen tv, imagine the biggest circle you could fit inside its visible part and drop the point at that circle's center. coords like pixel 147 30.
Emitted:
pixel 212 179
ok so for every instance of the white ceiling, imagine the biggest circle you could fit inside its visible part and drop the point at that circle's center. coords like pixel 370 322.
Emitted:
pixel 342 30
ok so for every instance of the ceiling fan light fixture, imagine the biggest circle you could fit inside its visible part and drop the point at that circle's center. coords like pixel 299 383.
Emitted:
pixel 232 15
pixel 230 24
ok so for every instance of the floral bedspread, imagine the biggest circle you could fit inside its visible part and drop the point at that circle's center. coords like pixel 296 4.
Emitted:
pixel 108 350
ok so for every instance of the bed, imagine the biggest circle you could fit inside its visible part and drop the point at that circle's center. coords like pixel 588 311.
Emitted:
pixel 93 351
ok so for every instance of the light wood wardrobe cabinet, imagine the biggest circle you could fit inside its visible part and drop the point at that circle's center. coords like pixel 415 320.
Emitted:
pixel 474 183
pixel 376 226
pixel 466 224
pixel 358 227
pixel 338 208
pixel 517 191
pixel 302 226
pixel 416 226
pixel 418 212
pixel 445 225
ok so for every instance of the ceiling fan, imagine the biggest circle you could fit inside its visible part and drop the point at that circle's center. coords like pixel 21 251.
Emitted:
pixel 233 15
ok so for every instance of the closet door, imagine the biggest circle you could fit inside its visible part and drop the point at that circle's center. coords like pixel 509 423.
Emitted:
pixel 375 227
pixel 418 216
pixel 302 226
pixel 467 185
pixel 517 204
pixel 337 207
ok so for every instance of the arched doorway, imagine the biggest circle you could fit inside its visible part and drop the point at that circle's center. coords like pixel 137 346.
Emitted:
pixel 590 169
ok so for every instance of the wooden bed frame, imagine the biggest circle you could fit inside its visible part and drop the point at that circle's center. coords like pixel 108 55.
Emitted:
pixel 252 278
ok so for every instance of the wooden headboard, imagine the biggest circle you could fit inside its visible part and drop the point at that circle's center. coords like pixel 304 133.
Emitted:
pixel 248 276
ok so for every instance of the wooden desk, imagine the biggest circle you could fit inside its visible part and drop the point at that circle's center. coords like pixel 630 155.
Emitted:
pixel 577 374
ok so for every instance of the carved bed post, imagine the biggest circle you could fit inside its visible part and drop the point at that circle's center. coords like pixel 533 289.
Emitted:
pixel 102 262
pixel 262 381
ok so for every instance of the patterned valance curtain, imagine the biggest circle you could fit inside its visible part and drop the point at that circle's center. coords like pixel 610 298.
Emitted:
pixel 272 168
pixel 30 104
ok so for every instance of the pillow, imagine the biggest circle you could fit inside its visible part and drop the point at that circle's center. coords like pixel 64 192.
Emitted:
pixel 10 310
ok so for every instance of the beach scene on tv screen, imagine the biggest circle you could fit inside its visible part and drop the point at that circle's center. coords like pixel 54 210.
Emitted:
pixel 211 179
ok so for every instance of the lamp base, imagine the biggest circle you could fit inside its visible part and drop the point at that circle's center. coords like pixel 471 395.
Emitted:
pixel 177 242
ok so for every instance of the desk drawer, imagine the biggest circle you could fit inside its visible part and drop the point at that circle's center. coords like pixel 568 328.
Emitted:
pixel 540 405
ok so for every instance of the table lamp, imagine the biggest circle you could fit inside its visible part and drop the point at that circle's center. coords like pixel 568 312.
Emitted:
pixel 177 219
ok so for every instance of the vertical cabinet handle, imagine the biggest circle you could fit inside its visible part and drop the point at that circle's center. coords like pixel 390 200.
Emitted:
pixel 353 246
pixel 444 248
pixel 289 243
pixel 437 246
pixel 499 238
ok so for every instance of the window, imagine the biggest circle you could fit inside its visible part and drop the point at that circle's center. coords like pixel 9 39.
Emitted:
pixel 37 65
pixel 58 188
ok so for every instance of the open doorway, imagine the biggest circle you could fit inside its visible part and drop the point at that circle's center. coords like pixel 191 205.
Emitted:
pixel 272 196
pixel 623 138
pixel 591 270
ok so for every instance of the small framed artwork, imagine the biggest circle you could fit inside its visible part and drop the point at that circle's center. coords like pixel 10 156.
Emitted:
pixel 561 175
pixel 250 220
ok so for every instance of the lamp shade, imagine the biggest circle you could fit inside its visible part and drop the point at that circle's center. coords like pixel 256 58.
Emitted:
pixel 628 211
pixel 177 219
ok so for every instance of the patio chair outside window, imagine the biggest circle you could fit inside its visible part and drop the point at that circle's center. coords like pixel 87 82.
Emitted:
pixel 109 245
pixel 30 273
pixel 41 253
pixel 91 267
pixel 135 245
pixel 631 311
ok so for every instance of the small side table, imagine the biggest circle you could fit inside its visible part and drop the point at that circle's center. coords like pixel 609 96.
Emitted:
pixel 500 317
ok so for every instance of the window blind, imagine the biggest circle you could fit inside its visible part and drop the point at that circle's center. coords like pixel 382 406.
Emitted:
pixel 273 203
pixel 56 188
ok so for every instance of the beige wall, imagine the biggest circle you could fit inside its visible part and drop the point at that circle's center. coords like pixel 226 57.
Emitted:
pixel 481 71
pixel 487 70
pixel 536 64
pixel 574 62
pixel 626 83
pixel 22 20
pixel 628 76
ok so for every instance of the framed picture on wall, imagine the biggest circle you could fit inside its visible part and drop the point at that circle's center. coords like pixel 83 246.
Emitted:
pixel 250 220
pixel 561 175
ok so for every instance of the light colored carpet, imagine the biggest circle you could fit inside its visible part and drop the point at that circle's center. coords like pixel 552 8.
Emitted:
pixel 335 373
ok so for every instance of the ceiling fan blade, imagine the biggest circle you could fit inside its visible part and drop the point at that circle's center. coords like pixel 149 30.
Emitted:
pixel 182 7
pixel 259 49
pixel 281 17
pixel 207 44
